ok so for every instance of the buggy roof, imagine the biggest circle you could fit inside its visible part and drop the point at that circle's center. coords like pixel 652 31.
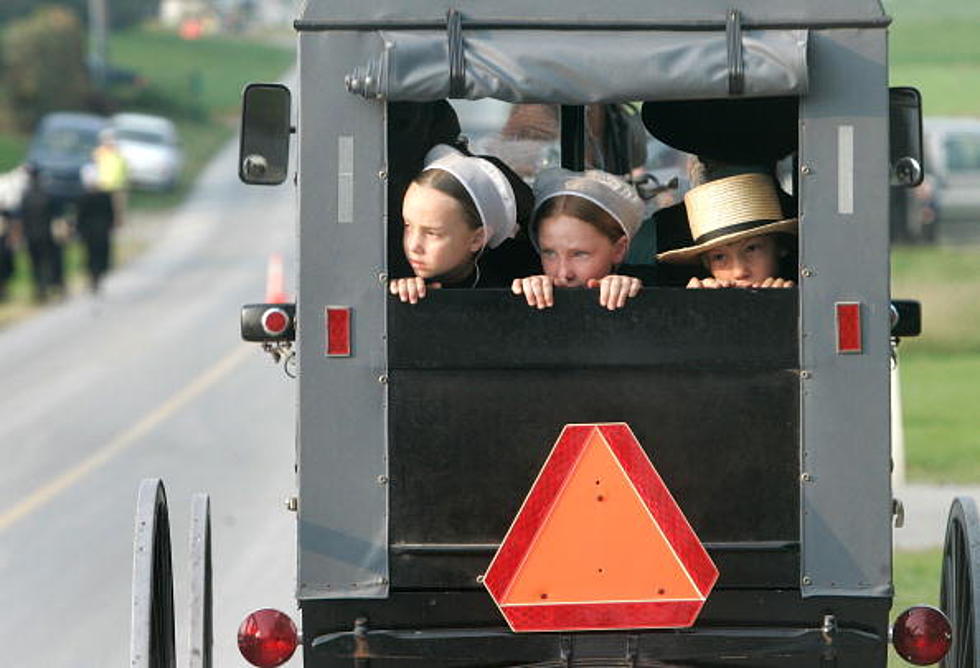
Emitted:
pixel 784 13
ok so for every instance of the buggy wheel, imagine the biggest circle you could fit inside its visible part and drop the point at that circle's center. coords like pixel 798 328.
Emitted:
pixel 152 641
pixel 959 594
pixel 201 598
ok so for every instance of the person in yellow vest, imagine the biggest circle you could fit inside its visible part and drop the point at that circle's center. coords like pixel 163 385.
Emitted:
pixel 111 173
pixel 101 208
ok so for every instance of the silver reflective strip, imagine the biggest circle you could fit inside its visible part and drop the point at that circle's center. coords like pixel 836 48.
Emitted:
pixel 845 169
pixel 345 179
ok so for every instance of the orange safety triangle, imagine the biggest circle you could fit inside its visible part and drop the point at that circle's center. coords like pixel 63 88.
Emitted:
pixel 599 543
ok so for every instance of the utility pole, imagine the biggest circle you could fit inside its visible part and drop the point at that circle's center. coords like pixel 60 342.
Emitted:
pixel 98 28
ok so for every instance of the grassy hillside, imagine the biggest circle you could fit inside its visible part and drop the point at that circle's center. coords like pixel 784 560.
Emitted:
pixel 934 46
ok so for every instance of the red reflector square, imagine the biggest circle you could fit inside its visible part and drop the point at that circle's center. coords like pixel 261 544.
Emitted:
pixel 848 327
pixel 338 331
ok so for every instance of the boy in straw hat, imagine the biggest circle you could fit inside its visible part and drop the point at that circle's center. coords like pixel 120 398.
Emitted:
pixel 581 227
pixel 739 231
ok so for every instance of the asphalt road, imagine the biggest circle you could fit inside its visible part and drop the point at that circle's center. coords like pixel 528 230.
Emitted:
pixel 150 379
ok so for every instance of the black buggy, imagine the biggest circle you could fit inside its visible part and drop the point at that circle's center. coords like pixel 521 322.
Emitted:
pixel 421 428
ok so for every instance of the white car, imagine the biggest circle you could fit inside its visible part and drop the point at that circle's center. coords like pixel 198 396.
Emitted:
pixel 150 148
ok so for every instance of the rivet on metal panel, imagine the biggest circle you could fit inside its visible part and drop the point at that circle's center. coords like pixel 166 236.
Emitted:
pixel 807 581
pixel 807 272
pixel 382 278
pixel 479 578
pixel 291 503
pixel 804 374
pixel 806 170
pixel 806 477
pixel 383 379
pixel 382 479
pixel 383 174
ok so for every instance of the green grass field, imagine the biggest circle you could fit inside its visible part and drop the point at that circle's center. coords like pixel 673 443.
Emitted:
pixel 933 46
pixel 940 371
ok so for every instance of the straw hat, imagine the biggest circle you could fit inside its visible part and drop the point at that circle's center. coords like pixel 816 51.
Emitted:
pixel 723 211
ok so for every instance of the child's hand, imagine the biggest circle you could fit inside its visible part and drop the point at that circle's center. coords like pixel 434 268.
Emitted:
pixel 537 290
pixel 709 282
pixel 410 289
pixel 614 290
pixel 774 283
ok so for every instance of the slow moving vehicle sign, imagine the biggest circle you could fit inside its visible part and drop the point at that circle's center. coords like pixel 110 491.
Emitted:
pixel 599 543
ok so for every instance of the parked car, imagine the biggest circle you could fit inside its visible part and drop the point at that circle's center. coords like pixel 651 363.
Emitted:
pixel 150 147
pixel 61 146
pixel 952 160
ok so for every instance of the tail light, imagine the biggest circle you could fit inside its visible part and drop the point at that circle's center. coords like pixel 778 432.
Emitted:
pixel 267 638
pixel 922 635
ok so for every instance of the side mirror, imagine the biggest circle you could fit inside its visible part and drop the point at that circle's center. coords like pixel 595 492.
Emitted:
pixel 263 155
pixel 905 136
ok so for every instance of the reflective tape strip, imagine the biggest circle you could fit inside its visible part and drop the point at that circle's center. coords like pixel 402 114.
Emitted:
pixel 345 179
pixel 845 170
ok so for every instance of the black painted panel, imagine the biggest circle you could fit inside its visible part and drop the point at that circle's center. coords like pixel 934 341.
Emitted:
pixel 661 326
pixel 741 567
pixel 465 446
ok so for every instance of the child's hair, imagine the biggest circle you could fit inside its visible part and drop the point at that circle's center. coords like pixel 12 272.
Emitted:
pixel 447 184
pixel 583 209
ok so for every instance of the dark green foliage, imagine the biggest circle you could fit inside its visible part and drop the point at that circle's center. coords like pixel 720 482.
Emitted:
pixel 44 67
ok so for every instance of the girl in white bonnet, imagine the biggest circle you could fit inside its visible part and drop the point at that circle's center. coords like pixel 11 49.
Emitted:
pixel 581 227
pixel 461 217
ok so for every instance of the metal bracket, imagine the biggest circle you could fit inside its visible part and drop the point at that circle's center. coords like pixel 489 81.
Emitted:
pixel 457 58
pixel 736 63
pixel 898 511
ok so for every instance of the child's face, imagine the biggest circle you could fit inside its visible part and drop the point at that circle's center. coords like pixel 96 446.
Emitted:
pixel 746 261
pixel 437 240
pixel 574 251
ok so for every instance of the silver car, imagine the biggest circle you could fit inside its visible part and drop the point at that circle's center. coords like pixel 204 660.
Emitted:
pixel 150 147
pixel 953 160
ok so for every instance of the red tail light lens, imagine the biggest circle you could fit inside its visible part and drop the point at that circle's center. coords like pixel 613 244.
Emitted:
pixel 275 321
pixel 267 638
pixel 922 635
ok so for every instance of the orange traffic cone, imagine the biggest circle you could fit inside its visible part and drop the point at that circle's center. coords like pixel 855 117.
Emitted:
pixel 274 282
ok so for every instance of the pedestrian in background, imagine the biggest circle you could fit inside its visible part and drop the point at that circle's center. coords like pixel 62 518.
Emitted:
pixel 6 251
pixel 36 214
pixel 12 185
pixel 111 172
pixel 100 208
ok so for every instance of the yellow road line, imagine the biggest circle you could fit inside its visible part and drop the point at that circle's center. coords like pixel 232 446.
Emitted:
pixel 145 425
